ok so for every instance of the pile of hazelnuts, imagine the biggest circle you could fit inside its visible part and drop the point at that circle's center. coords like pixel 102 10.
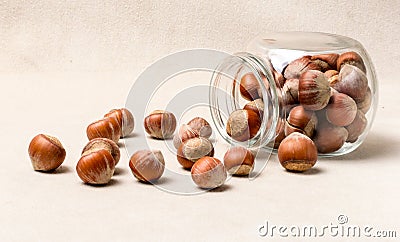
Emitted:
pixel 323 100
pixel 326 97
pixel 101 154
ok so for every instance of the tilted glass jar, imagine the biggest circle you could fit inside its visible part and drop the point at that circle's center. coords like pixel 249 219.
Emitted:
pixel 319 84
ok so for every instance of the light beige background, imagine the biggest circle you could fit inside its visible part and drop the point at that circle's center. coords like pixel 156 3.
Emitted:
pixel 65 63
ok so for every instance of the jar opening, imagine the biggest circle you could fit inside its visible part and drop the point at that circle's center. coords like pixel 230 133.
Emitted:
pixel 226 97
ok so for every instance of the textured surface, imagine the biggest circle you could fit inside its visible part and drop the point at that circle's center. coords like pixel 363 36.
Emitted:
pixel 64 64
pixel 87 35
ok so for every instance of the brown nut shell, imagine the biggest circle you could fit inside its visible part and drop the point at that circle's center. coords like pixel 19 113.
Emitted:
pixel 160 124
pixel 297 67
pixel 301 120
pixel 201 126
pixel 357 127
pixel 353 82
pixel 256 106
pixel 192 150
pixel 365 104
pixel 46 153
pixel 125 120
pixel 103 144
pixel 239 161
pixel 104 128
pixel 351 58
pixel 290 92
pixel 208 173
pixel 329 59
pixel 297 152
pixel 249 87
pixel 243 125
pixel 330 138
pixel 184 133
pixel 341 109
pixel 96 167
pixel 146 165
pixel 314 90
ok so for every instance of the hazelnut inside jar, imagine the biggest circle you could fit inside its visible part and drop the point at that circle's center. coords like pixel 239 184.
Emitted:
pixel 305 82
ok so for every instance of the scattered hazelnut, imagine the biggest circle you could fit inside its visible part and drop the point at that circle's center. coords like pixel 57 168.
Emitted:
pixel 329 59
pixel 243 125
pixel 125 120
pixel 249 87
pixel 201 126
pixel 257 106
pixel 147 166
pixel 103 144
pixel 329 137
pixel 357 127
pixel 341 109
pixel 192 150
pixel 351 58
pixel 185 132
pixel 239 161
pixel 160 124
pixel 353 82
pixel 299 66
pixel 314 90
pixel 302 121
pixel 297 152
pixel 105 128
pixel 208 173
pixel 96 167
pixel 46 153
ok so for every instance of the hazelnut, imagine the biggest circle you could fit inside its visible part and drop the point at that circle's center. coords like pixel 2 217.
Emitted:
pixel 249 87
pixel 103 144
pixel 147 166
pixel 125 120
pixel 297 152
pixel 329 59
pixel 185 132
pixel 193 149
pixel 160 124
pixel 357 127
pixel 350 58
pixel 96 167
pixel 353 82
pixel 257 106
pixel 299 66
pixel 365 104
pixel 46 153
pixel 329 137
pixel 290 92
pixel 314 90
pixel 302 121
pixel 341 109
pixel 243 125
pixel 105 128
pixel 208 173
pixel 201 126
pixel 239 161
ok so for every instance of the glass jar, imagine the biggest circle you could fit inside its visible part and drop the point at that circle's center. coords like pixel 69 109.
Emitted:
pixel 319 84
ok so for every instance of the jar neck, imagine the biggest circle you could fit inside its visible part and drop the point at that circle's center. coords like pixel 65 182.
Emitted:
pixel 225 96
